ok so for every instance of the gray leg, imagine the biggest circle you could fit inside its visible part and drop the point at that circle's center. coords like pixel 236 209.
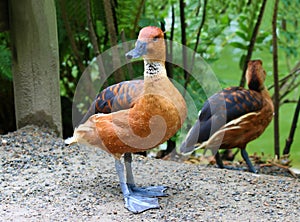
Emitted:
pixel 134 203
pixel 129 174
pixel 153 191
pixel 247 160
pixel 120 171
pixel 244 155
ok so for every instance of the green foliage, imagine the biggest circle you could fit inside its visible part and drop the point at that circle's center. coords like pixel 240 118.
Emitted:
pixel 227 24
pixel 288 23
pixel 243 28
pixel 125 8
pixel 5 57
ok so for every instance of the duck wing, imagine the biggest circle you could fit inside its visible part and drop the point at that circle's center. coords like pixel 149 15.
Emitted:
pixel 221 108
pixel 116 97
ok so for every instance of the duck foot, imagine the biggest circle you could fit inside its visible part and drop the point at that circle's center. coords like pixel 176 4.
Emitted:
pixel 251 168
pixel 247 160
pixel 137 199
pixel 138 204
pixel 153 191
pixel 233 168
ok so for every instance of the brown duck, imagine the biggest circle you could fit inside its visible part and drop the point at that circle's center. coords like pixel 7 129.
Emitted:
pixel 134 116
pixel 233 117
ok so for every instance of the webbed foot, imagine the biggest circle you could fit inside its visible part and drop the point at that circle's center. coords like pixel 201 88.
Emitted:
pixel 137 204
pixel 153 191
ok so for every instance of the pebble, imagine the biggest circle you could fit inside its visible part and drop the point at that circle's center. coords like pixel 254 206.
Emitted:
pixel 4 142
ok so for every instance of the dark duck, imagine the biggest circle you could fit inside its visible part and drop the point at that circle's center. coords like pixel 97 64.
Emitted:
pixel 135 116
pixel 233 117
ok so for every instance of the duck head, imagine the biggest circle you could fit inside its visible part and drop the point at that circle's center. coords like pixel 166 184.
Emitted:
pixel 255 75
pixel 150 45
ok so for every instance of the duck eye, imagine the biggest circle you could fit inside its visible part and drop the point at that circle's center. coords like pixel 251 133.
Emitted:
pixel 155 39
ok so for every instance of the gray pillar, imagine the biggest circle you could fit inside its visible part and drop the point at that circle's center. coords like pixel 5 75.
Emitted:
pixel 35 63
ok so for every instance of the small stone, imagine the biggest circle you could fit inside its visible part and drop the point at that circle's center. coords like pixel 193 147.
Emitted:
pixel 237 199
pixel 4 142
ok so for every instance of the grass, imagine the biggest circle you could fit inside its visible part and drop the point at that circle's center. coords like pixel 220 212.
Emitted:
pixel 228 71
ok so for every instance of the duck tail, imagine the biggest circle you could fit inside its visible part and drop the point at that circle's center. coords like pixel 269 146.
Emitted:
pixel 188 145
pixel 84 133
pixel 71 140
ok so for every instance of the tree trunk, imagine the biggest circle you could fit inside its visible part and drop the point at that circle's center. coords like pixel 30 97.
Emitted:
pixel 183 42
pixel 252 42
pixel 118 74
pixel 35 64
pixel 276 85
pixel 4 24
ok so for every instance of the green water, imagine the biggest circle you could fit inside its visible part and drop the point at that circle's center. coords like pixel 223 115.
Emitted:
pixel 228 72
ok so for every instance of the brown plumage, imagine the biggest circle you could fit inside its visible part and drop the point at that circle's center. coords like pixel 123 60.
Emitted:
pixel 116 97
pixel 233 117
pixel 136 116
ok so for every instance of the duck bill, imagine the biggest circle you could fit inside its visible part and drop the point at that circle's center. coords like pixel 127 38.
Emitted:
pixel 139 50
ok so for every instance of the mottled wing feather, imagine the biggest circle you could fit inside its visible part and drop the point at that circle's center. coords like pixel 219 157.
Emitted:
pixel 229 104
pixel 238 101
pixel 116 97
pixel 119 96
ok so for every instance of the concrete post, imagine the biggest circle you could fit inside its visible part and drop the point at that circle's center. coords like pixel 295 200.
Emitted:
pixel 35 63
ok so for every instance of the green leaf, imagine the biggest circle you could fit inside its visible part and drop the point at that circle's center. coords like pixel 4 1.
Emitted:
pixel 245 28
pixel 100 29
pixel 225 20
pixel 239 45
pixel 242 35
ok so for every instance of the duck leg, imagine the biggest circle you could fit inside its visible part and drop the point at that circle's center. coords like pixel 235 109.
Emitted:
pixel 247 160
pixel 133 202
pixel 153 191
pixel 219 160
pixel 221 164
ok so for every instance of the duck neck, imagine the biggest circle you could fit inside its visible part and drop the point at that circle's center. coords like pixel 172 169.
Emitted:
pixel 154 70
pixel 255 83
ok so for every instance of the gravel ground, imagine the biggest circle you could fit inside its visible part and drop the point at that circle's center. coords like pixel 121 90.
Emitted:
pixel 42 180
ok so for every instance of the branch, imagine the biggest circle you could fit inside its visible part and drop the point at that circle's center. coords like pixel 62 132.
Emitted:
pixel 92 33
pixel 252 42
pixel 290 77
pixel 94 41
pixel 183 39
pixel 276 84
pixel 169 50
pixel 172 24
pixel 289 101
pixel 71 36
pixel 284 95
pixel 171 144
pixel 138 15
pixel 118 75
pixel 199 33
pixel 126 49
pixel 290 139
pixel 196 45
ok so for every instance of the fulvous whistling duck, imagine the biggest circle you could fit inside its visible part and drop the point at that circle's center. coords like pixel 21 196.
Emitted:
pixel 136 116
pixel 233 117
